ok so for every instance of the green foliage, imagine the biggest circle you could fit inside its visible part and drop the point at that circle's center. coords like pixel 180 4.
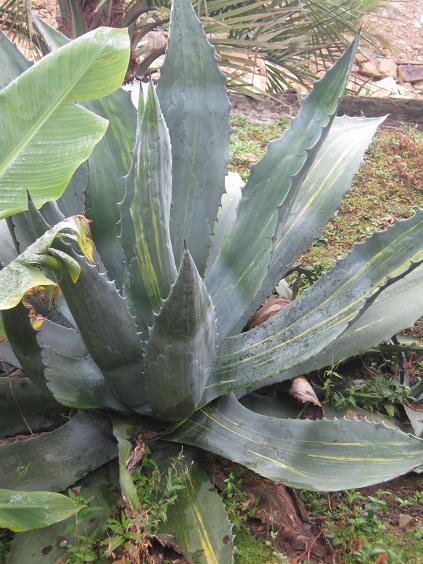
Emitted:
pixel 359 527
pixel 279 43
pixel 379 392
pixel 161 348
pixel 125 532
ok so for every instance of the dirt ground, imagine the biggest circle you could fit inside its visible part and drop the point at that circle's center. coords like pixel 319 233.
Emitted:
pixel 398 24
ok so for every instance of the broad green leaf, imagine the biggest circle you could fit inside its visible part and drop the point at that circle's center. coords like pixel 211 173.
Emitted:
pixel 326 182
pixel 123 432
pixel 108 164
pixel 181 347
pixel 199 522
pixel 145 213
pixel 23 511
pixel 51 542
pixel 195 106
pixel 55 461
pixel 289 343
pixel 24 407
pixel 71 374
pixel 47 135
pixel 241 266
pixel 322 455
pixel 24 272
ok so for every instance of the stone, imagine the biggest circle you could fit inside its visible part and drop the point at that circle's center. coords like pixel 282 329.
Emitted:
pixel 390 87
pixel 418 85
pixel 407 521
pixel 410 73
pixel 379 68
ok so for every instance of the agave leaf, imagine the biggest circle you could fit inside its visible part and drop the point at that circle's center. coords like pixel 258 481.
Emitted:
pixel 7 247
pixel 24 273
pixel 190 80
pixel 284 407
pixel 395 309
pixel 23 511
pixel 145 213
pixel 123 431
pixel 240 268
pixel 12 62
pixel 41 118
pixel 329 177
pixel 53 38
pixel 108 330
pixel 6 352
pixel 181 346
pixel 108 163
pixel 24 407
pixel 289 343
pixel 51 542
pixel 199 522
pixel 71 374
pixel 56 460
pixel 322 455
pixel 226 216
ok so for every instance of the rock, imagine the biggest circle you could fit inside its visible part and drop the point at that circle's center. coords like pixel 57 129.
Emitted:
pixel 379 68
pixel 418 85
pixel 390 87
pixel 407 522
pixel 410 73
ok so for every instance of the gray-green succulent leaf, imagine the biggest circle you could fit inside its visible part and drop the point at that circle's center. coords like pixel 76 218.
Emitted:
pixel 148 324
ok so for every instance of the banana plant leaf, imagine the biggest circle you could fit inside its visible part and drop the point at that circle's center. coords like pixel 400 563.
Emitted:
pixel 108 163
pixel 24 273
pixel 41 117
pixel 22 511
pixel 326 455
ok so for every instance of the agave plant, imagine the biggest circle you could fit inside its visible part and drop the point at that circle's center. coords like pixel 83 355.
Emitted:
pixel 146 333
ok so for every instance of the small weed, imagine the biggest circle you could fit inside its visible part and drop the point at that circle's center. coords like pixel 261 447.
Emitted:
pixel 249 550
pixel 352 524
pixel 128 533
pixel 380 392
pixel 238 505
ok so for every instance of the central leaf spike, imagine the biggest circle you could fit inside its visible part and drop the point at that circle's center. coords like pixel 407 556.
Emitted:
pixel 182 346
